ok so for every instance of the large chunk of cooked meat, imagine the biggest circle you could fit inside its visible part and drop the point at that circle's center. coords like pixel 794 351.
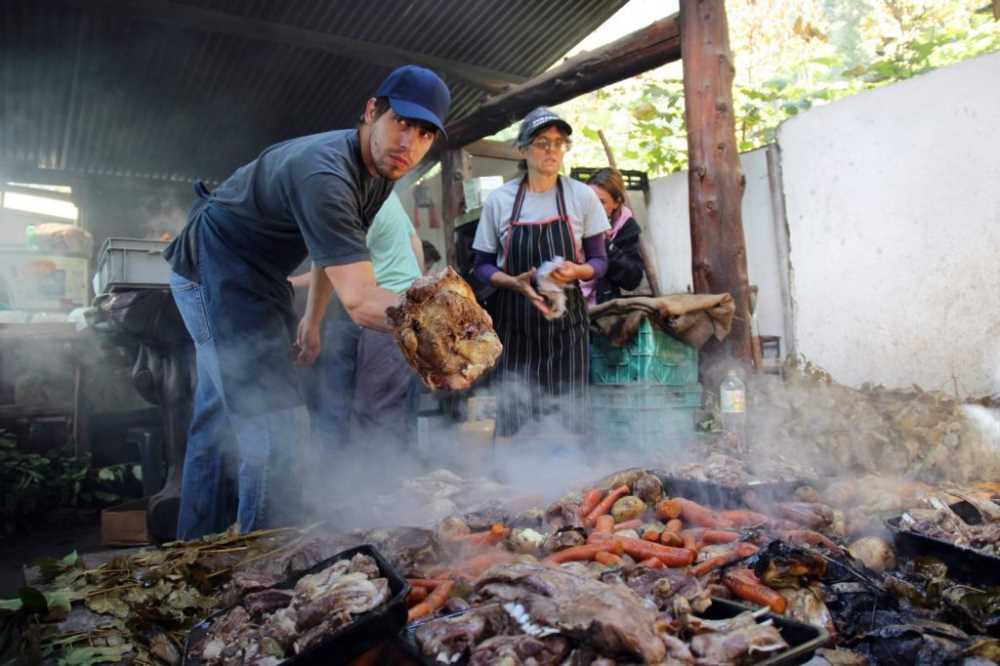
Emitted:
pixel 444 334
pixel 548 600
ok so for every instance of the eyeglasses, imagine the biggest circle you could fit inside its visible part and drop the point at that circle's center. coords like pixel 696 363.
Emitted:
pixel 559 145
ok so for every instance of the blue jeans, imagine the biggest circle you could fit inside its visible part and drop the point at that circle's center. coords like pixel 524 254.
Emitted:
pixel 265 440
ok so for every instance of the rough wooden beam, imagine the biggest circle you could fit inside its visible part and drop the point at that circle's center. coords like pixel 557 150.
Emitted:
pixel 643 50
pixel 455 170
pixel 497 150
pixel 208 20
pixel 715 179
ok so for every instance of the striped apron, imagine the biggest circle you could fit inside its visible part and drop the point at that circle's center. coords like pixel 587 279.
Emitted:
pixel 545 364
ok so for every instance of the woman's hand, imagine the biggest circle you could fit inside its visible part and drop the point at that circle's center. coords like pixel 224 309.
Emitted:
pixel 570 271
pixel 524 284
pixel 307 343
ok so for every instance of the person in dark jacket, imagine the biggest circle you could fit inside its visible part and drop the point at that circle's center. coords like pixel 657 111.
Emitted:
pixel 625 267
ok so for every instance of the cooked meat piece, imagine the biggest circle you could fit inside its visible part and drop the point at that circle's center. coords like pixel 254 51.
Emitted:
pixel 520 651
pixel 314 585
pixel 662 585
pixel 280 627
pixel 406 548
pixel 366 565
pixel 610 617
pixel 351 594
pixel 447 637
pixel 742 638
pixel 443 333
pixel 266 601
pixel 566 537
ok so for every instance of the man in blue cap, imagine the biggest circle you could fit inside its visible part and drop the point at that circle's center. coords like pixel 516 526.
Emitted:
pixel 313 197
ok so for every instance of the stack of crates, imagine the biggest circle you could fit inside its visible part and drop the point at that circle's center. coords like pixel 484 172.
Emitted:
pixel 644 396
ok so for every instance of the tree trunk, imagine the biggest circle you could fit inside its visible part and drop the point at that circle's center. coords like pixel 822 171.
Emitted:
pixel 715 180
pixel 454 171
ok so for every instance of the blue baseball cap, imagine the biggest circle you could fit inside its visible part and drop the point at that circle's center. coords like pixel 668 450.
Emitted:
pixel 417 92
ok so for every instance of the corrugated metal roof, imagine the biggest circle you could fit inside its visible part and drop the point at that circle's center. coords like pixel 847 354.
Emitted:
pixel 125 88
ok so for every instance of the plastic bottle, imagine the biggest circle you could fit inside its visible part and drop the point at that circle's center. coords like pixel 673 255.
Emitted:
pixel 31 237
pixel 733 404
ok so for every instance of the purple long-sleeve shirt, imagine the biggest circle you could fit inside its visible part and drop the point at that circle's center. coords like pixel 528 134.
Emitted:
pixel 594 249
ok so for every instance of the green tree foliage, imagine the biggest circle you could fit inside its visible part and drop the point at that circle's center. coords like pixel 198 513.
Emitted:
pixel 789 55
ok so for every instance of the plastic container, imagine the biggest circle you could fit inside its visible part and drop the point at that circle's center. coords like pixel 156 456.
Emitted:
pixel 721 496
pixel 964 564
pixel 643 417
pixel 733 408
pixel 803 639
pixel 132 263
pixel 653 357
pixel 367 631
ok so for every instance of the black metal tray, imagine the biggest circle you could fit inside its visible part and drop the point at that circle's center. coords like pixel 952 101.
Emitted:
pixel 965 565
pixel 722 496
pixel 367 631
pixel 803 639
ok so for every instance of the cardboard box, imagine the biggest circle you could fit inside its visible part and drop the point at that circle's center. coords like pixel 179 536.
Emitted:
pixel 125 524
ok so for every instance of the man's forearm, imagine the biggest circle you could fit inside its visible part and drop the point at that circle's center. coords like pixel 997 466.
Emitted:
pixel 320 291
pixel 370 311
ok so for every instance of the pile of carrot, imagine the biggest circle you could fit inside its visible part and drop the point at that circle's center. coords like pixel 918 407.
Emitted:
pixel 684 528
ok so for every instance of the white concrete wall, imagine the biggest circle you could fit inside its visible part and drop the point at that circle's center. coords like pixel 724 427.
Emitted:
pixel 670 234
pixel 893 206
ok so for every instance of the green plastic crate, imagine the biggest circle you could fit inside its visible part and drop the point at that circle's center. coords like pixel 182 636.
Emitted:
pixel 653 357
pixel 643 417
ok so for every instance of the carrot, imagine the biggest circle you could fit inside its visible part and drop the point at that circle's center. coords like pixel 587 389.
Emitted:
pixel 743 517
pixel 720 536
pixel 808 537
pixel 416 595
pixel 591 499
pixel 669 508
pixel 494 535
pixel 745 585
pixel 583 553
pixel 651 535
pixel 696 514
pixel 653 563
pixel 742 550
pixel 668 538
pixel 428 583
pixel 608 559
pixel 599 537
pixel 643 550
pixel 435 600
pixel 675 525
pixel 633 524
pixel 691 537
pixel 604 506
pixel 604 524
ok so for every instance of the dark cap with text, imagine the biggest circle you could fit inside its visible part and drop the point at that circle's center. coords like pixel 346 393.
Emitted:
pixel 538 120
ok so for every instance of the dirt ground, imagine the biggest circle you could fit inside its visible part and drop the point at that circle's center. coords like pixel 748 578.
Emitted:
pixel 23 549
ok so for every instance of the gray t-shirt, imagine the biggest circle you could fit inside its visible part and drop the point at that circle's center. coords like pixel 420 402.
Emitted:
pixel 311 195
pixel 586 215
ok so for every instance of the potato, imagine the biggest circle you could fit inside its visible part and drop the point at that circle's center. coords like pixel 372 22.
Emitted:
pixel 627 508
pixel 874 552
pixel 526 540
pixel 648 488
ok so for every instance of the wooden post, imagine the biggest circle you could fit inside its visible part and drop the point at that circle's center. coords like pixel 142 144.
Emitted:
pixel 635 53
pixel 454 171
pixel 715 180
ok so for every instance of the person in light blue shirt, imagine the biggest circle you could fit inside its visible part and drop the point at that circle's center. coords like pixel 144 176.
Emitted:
pixel 365 390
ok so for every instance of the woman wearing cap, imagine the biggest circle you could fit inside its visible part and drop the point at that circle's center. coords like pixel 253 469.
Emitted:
pixel 625 267
pixel 526 222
